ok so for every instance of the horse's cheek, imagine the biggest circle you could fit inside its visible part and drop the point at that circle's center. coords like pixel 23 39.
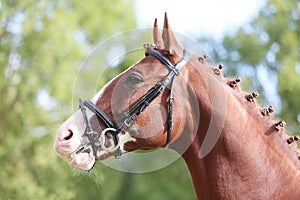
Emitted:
pixel 152 121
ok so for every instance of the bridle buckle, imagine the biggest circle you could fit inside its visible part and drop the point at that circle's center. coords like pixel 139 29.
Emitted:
pixel 128 122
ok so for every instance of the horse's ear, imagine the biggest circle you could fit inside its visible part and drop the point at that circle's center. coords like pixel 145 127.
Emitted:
pixel 170 43
pixel 157 37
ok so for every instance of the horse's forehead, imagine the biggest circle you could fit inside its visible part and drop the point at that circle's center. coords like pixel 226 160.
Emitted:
pixel 148 67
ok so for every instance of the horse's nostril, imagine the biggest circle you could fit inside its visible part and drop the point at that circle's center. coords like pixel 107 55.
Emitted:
pixel 69 135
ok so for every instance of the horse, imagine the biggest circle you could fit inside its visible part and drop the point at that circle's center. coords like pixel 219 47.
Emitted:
pixel 172 98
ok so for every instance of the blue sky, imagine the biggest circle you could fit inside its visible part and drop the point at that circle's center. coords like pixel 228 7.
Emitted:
pixel 198 17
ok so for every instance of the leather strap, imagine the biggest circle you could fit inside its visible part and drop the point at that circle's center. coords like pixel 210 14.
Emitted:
pixel 178 67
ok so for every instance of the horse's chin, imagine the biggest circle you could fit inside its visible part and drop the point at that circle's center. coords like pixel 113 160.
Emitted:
pixel 83 161
pixel 86 161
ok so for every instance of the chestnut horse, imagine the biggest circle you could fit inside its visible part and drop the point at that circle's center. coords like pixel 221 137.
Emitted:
pixel 234 149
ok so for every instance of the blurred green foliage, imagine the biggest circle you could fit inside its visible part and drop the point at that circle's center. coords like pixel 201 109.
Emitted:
pixel 266 54
pixel 42 46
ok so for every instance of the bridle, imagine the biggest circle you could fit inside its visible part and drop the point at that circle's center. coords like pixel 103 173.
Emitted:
pixel 97 139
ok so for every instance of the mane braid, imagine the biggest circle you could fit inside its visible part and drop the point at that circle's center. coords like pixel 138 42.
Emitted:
pixel 263 115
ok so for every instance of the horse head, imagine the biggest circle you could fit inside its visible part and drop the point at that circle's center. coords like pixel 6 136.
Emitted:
pixel 134 110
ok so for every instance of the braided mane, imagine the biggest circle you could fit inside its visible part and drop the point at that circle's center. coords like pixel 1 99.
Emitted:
pixel 263 115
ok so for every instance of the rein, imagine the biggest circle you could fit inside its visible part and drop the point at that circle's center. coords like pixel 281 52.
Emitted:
pixel 97 140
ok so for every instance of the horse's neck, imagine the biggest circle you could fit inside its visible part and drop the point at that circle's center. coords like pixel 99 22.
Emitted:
pixel 250 159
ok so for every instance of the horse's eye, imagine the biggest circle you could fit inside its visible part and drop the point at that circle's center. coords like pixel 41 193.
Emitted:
pixel 134 79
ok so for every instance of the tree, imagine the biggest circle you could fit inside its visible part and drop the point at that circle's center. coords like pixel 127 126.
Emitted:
pixel 266 53
pixel 41 46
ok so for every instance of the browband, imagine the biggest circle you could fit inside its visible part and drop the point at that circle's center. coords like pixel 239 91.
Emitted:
pixel 178 67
